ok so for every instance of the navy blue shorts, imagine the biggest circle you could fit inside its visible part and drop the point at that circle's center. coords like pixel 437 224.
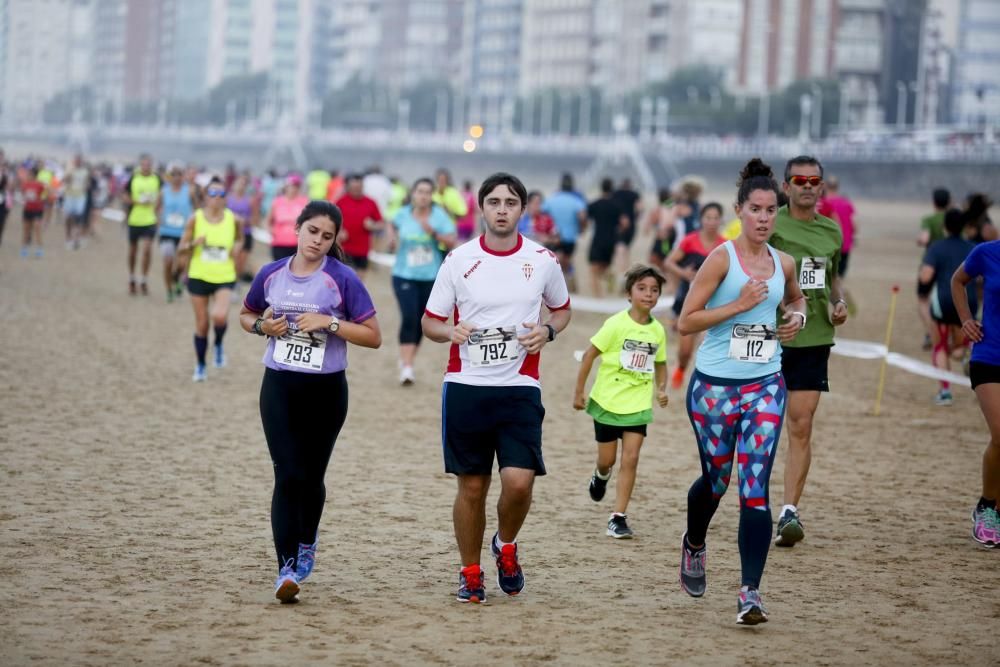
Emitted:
pixel 480 423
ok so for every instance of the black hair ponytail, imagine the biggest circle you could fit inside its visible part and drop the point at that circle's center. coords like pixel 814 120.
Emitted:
pixel 756 175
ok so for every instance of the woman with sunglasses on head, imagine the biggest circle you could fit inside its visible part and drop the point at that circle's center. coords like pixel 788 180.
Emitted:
pixel 419 232
pixel 317 306
pixel 211 239
pixel 736 397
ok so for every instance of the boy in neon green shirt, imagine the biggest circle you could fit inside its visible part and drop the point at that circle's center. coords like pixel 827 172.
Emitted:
pixel 632 348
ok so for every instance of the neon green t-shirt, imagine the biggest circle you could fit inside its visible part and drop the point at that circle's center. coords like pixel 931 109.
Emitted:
pixel 451 201
pixel 934 224
pixel 818 242
pixel 622 395
pixel 317 182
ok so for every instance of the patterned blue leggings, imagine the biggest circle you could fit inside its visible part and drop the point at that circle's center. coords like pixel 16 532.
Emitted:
pixel 740 418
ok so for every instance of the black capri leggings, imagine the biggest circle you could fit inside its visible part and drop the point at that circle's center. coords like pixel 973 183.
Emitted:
pixel 412 296
pixel 300 438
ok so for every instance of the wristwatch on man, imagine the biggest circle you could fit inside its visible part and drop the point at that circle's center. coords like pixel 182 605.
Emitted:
pixel 334 325
pixel 552 332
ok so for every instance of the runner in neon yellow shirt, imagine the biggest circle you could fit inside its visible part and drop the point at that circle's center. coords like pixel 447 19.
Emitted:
pixel 632 348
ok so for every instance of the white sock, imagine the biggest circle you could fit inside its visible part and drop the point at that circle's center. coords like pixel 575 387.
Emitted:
pixel 134 278
pixel 621 514
pixel 142 281
pixel 500 543
pixel 603 477
pixel 788 508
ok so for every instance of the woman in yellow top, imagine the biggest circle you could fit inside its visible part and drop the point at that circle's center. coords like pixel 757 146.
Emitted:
pixel 212 236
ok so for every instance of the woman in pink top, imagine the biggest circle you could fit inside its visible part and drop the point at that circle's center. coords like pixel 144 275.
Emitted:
pixel 284 211
pixel 840 210
pixel 466 224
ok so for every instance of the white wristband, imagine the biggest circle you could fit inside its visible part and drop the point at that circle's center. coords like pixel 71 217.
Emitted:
pixel 803 316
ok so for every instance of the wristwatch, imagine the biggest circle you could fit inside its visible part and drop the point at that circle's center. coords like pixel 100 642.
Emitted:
pixel 552 332
pixel 843 301
pixel 334 325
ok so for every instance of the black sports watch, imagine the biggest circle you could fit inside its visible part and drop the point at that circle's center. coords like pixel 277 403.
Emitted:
pixel 552 332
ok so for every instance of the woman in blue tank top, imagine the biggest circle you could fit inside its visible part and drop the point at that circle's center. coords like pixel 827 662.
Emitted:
pixel 736 397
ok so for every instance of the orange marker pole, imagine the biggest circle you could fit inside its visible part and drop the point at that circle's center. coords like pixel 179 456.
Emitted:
pixel 885 359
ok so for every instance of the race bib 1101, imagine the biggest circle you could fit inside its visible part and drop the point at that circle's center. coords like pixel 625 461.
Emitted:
pixel 638 356
pixel 755 343
pixel 493 347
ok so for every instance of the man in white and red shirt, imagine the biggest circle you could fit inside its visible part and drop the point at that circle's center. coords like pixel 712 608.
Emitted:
pixel 494 287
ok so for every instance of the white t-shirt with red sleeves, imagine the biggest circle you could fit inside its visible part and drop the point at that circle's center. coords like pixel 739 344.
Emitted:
pixel 497 291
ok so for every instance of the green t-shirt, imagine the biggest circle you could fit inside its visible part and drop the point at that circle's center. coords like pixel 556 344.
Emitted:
pixel 934 224
pixel 624 385
pixel 820 242
pixel 144 190
pixel 317 182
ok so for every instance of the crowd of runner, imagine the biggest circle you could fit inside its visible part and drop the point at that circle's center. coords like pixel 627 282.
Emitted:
pixel 757 288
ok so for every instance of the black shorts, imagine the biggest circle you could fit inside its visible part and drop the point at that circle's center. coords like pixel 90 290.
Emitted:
pixel 627 236
pixel 566 248
pixel 202 288
pixel 247 241
pixel 805 368
pixel 601 253
pixel 608 433
pixel 983 373
pixel 842 267
pixel 359 262
pixel 924 291
pixel 28 216
pixel 480 422
pixel 660 249
pixel 144 232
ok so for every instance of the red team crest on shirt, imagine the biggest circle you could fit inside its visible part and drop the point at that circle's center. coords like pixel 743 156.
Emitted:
pixel 527 270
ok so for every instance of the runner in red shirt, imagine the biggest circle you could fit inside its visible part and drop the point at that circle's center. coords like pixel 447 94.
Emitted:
pixel 361 218
pixel 34 193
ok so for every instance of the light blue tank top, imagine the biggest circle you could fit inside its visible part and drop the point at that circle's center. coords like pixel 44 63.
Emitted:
pixel 729 345
pixel 176 211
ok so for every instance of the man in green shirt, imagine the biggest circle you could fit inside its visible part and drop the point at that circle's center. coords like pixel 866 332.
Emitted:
pixel 815 242
pixel 931 230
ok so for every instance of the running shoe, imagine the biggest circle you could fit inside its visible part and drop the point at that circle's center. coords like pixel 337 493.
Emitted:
pixel 510 578
pixel 220 357
pixel 986 527
pixel 943 398
pixel 597 487
pixel 25 252
pixel 144 288
pixel 131 287
pixel 790 530
pixel 286 586
pixel 750 610
pixel 618 527
pixel 200 375
pixel 39 253
pixel 692 577
pixel 677 379
pixel 470 585
pixel 928 344
pixel 305 560
pixel 406 376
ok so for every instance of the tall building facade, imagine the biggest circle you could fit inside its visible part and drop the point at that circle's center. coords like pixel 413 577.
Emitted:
pixel 785 40
pixel 491 50
pixel 40 53
pixel 976 86
pixel 705 32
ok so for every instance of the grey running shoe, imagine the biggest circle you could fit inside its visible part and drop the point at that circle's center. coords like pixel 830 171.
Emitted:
pixel 790 530
pixel 597 487
pixel 943 397
pixel 693 569
pixel 618 527
pixel 749 609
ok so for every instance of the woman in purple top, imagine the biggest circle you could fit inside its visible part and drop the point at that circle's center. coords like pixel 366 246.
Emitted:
pixel 240 203
pixel 309 306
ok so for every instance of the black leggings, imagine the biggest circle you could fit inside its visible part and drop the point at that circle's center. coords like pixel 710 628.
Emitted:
pixel 3 220
pixel 412 296
pixel 302 415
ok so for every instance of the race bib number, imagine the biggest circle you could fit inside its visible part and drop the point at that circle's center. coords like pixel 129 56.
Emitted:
pixel 214 254
pixel 638 356
pixel 493 347
pixel 755 343
pixel 301 350
pixel 812 275
pixel 145 198
pixel 30 195
pixel 419 256
pixel 175 220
